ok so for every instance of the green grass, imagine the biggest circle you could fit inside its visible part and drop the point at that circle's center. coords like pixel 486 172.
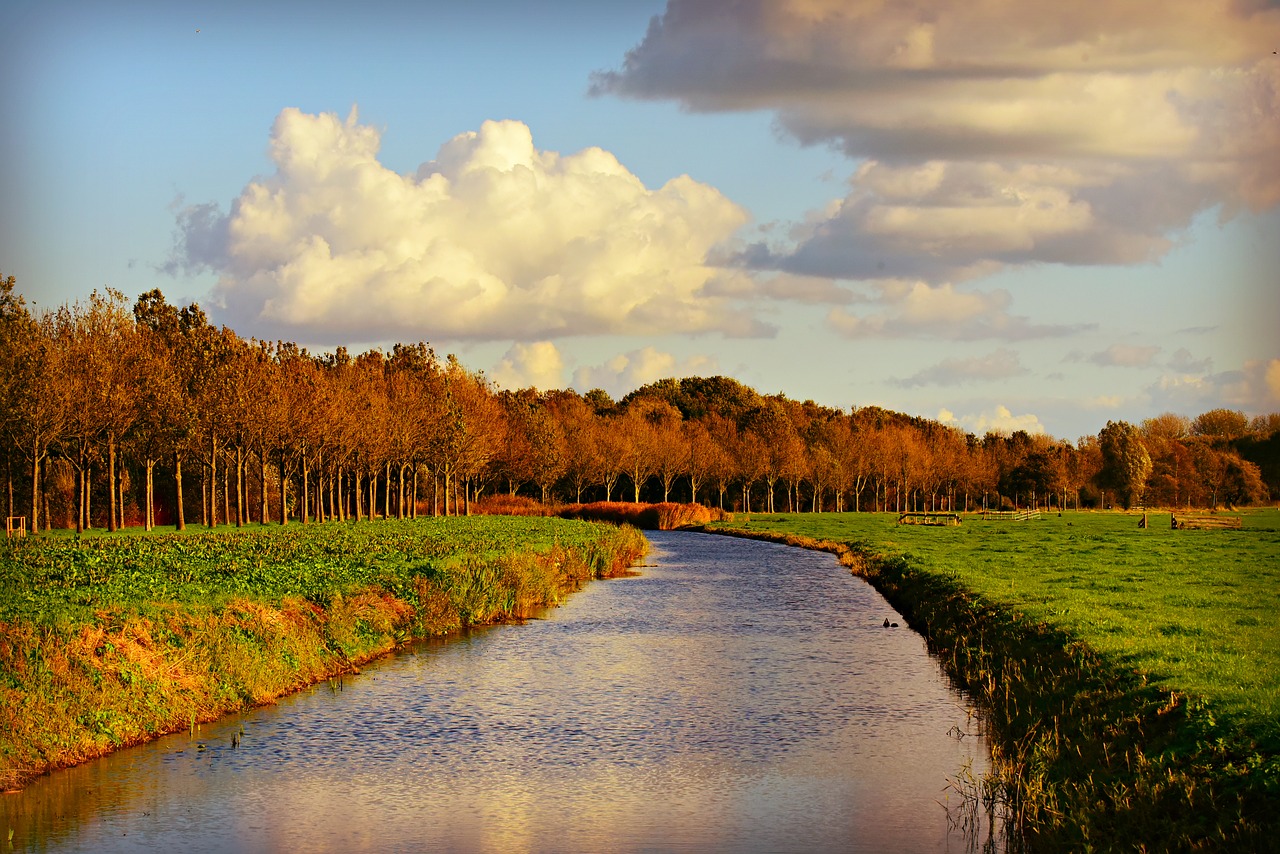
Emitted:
pixel 1130 677
pixel 1196 611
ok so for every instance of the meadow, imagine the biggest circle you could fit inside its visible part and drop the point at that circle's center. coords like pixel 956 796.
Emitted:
pixel 1130 678
pixel 109 640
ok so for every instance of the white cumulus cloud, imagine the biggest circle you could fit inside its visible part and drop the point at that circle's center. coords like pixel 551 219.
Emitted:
pixel 538 365
pixel 628 371
pixel 998 365
pixel 1000 420
pixel 989 133
pixel 491 239
pixel 1253 388
pixel 920 310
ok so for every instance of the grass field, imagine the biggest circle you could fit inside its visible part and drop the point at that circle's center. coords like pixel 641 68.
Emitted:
pixel 1198 611
pixel 1134 673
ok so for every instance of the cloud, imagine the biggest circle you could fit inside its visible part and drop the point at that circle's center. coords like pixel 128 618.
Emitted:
pixel 1142 356
pixel 492 239
pixel 920 310
pixel 1121 356
pixel 998 365
pixel 1254 388
pixel 998 420
pixel 813 290
pixel 538 365
pixel 1183 362
pixel 628 371
pixel 992 133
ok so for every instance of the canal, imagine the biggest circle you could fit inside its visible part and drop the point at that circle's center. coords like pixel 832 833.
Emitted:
pixel 734 696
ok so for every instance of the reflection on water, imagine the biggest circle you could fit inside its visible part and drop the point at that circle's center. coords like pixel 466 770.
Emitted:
pixel 737 696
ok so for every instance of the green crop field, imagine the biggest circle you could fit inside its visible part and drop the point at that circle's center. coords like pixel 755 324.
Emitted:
pixel 110 640
pixel 1198 611
pixel 52 579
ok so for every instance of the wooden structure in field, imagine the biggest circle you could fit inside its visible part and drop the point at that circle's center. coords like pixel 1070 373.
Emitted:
pixel 1205 522
pixel 1010 515
pixel 929 519
pixel 15 526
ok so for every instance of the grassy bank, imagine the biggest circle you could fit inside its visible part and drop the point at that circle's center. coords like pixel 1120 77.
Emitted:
pixel 112 640
pixel 1130 677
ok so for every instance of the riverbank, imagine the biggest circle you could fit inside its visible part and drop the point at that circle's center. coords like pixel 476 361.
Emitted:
pixel 110 641
pixel 1128 677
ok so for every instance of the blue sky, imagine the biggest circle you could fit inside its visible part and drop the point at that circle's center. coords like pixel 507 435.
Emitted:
pixel 973 212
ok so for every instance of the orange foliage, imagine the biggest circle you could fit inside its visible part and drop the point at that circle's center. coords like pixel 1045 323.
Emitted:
pixel 649 517
pixel 511 505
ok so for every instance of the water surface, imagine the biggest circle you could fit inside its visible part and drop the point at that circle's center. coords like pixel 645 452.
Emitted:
pixel 735 696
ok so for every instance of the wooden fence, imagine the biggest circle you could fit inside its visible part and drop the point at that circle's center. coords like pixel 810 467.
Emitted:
pixel 1010 515
pixel 929 519
pixel 1205 523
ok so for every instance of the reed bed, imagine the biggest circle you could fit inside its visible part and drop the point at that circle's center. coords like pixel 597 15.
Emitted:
pixel 667 516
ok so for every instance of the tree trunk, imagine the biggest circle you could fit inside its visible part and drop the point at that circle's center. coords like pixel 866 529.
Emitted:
pixel 213 481
pixel 306 488
pixel 386 493
pixel 111 482
pixel 177 477
pixel 240 492
pixel 400 491
pixel 263 514
pixel 150 514
pixel 44 494
pixel 413 512
pixel 335 495
pixel 284 493
pixel 226 495
pixel 80 498
pixel 35 489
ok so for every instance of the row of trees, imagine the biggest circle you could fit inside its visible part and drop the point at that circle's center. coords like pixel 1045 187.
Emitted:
pixel 116 414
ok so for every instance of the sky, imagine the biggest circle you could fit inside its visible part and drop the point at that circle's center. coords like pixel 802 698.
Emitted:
pixel 1002 214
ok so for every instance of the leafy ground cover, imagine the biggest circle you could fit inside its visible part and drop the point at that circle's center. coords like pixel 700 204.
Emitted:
pixel 110 640
pixel 1131 677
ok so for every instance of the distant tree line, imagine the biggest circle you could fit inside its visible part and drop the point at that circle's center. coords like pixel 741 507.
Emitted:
pixel 116 414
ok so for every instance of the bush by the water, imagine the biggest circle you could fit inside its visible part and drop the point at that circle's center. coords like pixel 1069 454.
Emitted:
pixel 666 516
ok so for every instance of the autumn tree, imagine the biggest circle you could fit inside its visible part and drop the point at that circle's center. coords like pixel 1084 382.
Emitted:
pixel 100 344
pixel 36 406
pixel 702 452
pixel 1220 424
pixel 1125 461
pixel 638 446
pixel 161 400
pixel 576 419
pixel 670 450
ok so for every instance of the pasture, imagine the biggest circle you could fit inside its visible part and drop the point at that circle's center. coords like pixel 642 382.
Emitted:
pixel 1129 677
pixel 1197 611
